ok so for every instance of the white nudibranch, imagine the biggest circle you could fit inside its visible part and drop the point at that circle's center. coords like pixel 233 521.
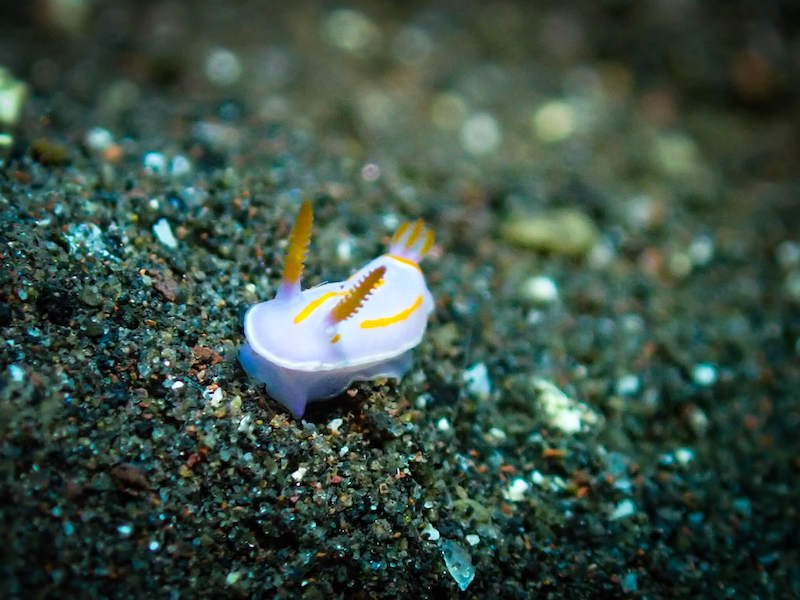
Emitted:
pixel 307 345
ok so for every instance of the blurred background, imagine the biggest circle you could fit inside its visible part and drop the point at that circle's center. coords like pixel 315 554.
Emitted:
pixel 503 81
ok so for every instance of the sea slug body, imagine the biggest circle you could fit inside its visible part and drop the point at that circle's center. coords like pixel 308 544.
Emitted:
pixel 308 345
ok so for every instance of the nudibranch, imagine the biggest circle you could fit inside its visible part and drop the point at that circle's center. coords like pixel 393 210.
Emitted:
pixel 308 345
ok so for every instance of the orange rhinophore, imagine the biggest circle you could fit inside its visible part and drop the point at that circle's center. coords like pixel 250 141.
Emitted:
pixel 428 243
pixel 296 251
pixel 412 238
pixel 400 232
pixel 355 298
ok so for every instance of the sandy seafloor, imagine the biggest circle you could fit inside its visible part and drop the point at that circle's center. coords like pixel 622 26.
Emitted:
pixel 606 400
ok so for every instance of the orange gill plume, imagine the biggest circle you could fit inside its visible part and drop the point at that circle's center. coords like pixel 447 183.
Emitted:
pixel 428 243
pixel 414 235
pixel 298 244
pixel 400 232
pixel 355 298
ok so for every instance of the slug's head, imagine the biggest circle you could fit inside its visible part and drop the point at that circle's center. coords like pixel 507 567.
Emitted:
pixel 411 242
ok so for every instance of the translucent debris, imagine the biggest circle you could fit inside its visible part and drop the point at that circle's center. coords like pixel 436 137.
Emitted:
pixel 87 238
pixel 458 562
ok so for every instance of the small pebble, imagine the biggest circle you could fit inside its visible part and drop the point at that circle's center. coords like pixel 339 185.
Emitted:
pixel 480 134
pixel 350 30
pixel 628 385
pixel 423 400
pixel 624 509
pixel 477 382
pixel 679 264
pixel 246 425
pixel 516 490
pixel 563 412
pixel 788 254
pixel 684 456
pixel 163 232
pixel 448 111
pixel 629 582
pixel 86 237
pixel 222 67
pixel 704 374
pixel 299 474
pixel 17 373
pixel 180 166
pixel 744 507
pixel 12 97
pixel 698 421
pixel 497 434
pixel 370 172
pixel 553 122
pixel 676 154
pixel 540 290
pixel 214 395
pixel 792 286
pixel 412 46
pixel 344 251
pixel 430 533
pixel 561 231
pixel 233 577
pixel 701 250
pixel 155 163
pixel 98 139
